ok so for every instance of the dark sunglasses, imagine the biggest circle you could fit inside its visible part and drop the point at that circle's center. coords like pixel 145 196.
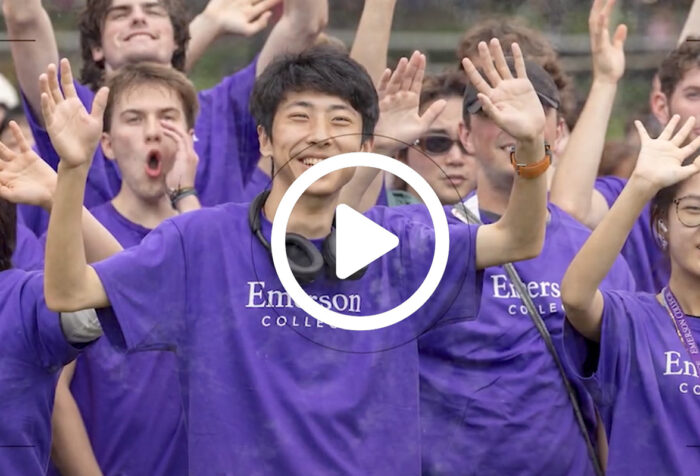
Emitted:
pixel 437 145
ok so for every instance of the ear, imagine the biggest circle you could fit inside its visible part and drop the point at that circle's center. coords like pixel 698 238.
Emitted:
pixel 660 107
pixel 106 143
pixel 97 54
pixel 561 136
pixel 466 138
pixel 191 133
pixel 265 142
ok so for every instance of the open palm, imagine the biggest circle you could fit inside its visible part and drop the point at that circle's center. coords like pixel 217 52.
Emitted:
pixel 73 131
pixel 24 176
pixel 660 160
pixel 511 102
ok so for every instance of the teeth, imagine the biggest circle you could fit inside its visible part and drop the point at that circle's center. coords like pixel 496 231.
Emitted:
pixel 310 161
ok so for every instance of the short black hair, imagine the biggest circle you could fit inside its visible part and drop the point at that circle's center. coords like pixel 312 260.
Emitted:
pixel 8 233
pixel 321 69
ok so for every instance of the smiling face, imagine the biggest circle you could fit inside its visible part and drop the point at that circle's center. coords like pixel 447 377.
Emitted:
pixel 451 171
pixel 307 128
pixel 137 142
pixel 683 240
pixel 135 30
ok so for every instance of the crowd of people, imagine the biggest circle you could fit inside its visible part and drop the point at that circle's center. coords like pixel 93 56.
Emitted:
pixel 145 329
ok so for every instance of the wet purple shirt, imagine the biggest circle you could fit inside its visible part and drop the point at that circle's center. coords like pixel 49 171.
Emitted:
pixel 131 401
pixel 33 352
pixel 492 399
pixel 645 386
pixel 648 264
pixel 226 142
pixel 268 389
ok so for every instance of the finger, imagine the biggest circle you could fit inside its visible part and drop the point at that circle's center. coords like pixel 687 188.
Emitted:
pixel 500 60
pixel 54 88
pixel 67 79
pixel 487 65
pixel 518 61
pixel 432 113
pixel 44 89
pixel 417 83
pixel 689 170
pixel 397 76
pixel 263 6
pixel 19 137
pixel 488 107
pixel 384 81
pixel 412 68
pixel 259 24
pixel 169 126
pixel 620 36
pixel 595 11
pixel 6 154
pixel 691 148
pixel 46 108
pixel 475 77
pixel 683 132
pixel 643 134
pixel 607 9
pixel 670 127
pixel 99 103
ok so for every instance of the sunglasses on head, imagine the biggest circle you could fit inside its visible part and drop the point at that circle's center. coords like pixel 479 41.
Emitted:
pixel 438 144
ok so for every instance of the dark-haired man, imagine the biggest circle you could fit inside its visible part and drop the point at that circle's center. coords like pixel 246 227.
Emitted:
pixel 119 32
pixel 268 390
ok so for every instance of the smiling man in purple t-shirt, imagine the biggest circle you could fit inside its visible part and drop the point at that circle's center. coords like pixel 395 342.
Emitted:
pixel 115 33
pixel 267 389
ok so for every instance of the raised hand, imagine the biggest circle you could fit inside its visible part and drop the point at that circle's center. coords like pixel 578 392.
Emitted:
pixel 399 100
pixel 186 159
pixel 24 176
pixel 660 160
pixel 73 131
pixel 511 102
pixel 240 17
pixel 608 56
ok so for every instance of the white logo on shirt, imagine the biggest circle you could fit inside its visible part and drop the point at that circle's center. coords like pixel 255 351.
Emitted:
pixel 676 366
pixel 504 289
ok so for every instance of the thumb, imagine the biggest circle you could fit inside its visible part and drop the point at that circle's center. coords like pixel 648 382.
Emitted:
pixel 100 103
pixel 620 36
pixel 689 170
pixel 430 114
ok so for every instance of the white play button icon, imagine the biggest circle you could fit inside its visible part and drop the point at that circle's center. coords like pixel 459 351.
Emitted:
pixel 358 241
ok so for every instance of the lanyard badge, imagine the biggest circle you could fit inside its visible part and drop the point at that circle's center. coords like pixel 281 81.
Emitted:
pixel 680 321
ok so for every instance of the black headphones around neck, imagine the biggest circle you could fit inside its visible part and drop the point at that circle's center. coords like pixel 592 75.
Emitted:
pixel 305 260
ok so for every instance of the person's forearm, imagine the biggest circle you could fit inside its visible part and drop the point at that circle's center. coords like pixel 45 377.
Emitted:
pixel 526 214
pixel 297 30
pixel 71 451
pixel 65 263
pixel 188 204
pixel 577 168
pixel 597 255
pixel 28 20
pixel 371 45
pixel 204 30
pixel 692 23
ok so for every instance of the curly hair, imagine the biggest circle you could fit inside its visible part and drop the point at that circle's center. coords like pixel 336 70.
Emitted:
pixel 92 20
pixel 534 46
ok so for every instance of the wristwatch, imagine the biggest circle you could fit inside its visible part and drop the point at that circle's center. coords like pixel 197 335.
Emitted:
pixel 530 171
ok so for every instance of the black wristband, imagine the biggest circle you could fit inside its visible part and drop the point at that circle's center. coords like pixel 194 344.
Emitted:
pixel 180 193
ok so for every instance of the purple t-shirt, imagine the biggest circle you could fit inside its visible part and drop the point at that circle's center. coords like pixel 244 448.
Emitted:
pixel 268 389
pixel 492 399
pixel 647 262
pixel 645 386
pixel 33 352
pixel 226 142
pixel 130 401
pixel 29 253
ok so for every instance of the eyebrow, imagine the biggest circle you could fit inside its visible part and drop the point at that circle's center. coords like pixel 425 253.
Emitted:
pixel 438 131
pixel 141 111
pixel 308 105
pixel 127 8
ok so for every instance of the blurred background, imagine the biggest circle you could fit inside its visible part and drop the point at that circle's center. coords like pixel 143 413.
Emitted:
pixel 435 27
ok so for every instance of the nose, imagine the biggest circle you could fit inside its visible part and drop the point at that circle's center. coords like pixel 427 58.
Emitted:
pixel 152 129
pixel 138 15
pixel 456 155
pixel 319 132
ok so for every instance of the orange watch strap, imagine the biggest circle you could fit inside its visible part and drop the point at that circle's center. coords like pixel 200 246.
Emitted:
pixel 530 171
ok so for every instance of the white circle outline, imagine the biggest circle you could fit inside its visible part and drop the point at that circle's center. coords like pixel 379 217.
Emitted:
pixel 373 321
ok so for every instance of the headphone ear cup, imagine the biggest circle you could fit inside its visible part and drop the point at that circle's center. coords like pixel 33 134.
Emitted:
pixel 329 250
pixel 305 261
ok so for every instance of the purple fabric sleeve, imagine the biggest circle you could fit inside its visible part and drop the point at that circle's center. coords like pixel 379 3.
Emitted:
pixel 147 292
